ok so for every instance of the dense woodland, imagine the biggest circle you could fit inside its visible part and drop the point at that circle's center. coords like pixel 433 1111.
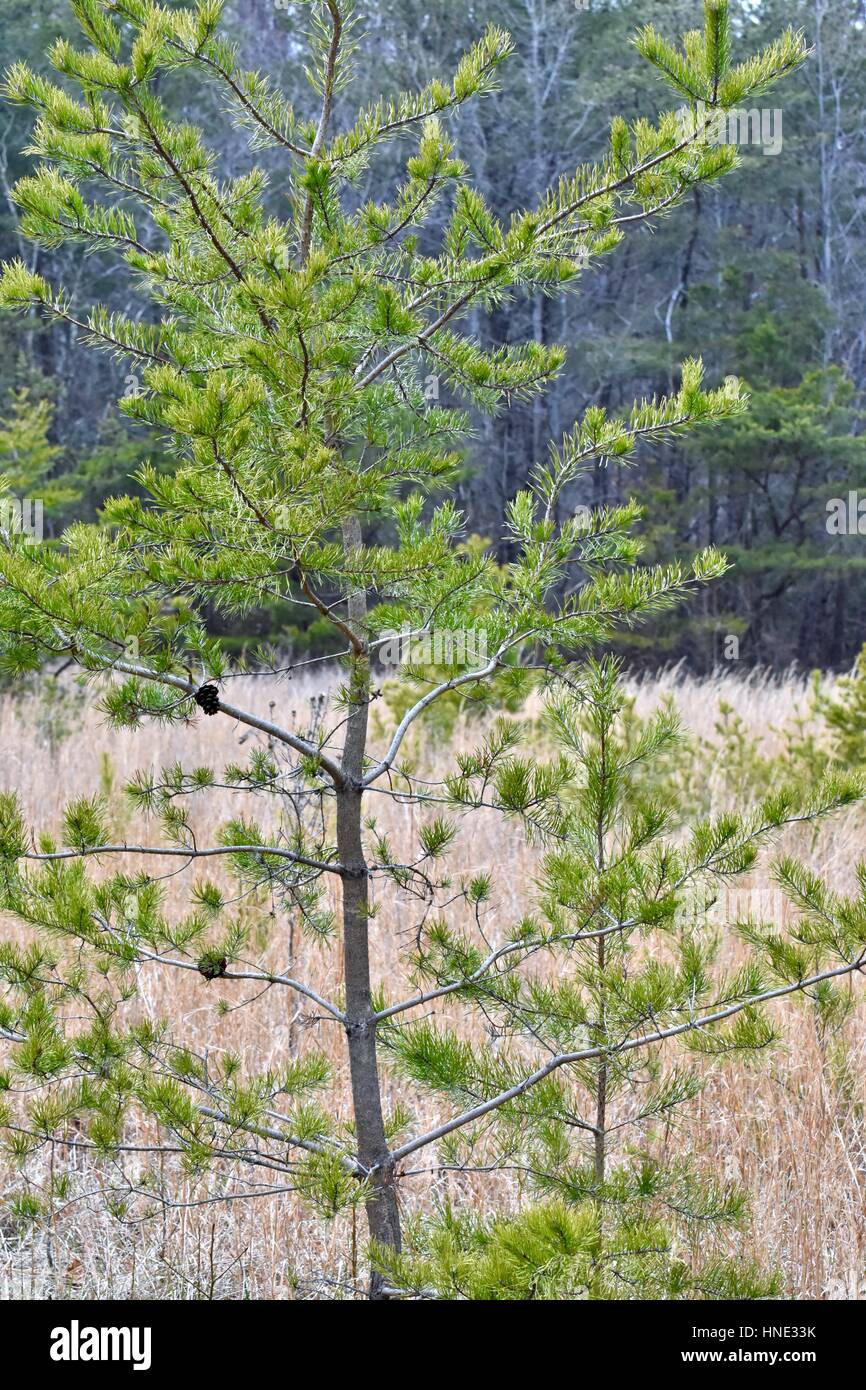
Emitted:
pixel 763 274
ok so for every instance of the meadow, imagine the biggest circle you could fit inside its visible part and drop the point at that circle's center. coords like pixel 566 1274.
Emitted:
pixel 791 1128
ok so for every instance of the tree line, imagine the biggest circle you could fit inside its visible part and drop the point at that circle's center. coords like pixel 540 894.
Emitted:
pixel 763 275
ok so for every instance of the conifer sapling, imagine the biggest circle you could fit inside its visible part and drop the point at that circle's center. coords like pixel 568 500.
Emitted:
pixel 284 357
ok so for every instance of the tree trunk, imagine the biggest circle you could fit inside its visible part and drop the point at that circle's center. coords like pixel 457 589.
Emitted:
pixel 601 1089
pixel 383 1215
pixel 600 1145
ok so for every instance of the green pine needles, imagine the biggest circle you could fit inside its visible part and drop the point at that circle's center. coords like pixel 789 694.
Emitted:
pixel 627 955
pixel 292 330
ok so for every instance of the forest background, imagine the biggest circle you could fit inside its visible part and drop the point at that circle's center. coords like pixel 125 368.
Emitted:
pixel 764 275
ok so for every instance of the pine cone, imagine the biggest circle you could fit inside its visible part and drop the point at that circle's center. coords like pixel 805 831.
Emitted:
pixel 207 698
pixel 212 966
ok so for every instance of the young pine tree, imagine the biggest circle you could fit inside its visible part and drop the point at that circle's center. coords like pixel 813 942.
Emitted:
pixel 28 464
pixel 293 329
pixel 616 1000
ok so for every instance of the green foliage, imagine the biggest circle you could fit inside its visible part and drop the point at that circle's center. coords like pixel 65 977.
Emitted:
pixel 844 714
pixel 581 991
pixel 26 454
pixel 554 1250
pixel 286 366
pixel 777 468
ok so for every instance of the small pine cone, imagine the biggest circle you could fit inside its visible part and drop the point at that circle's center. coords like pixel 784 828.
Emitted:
pixel 207 698
pixel 212 966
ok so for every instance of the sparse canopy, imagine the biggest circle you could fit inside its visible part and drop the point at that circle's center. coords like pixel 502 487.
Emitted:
pixel 286 361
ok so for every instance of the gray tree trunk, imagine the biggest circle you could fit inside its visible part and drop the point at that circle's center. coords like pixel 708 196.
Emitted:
pixel 383 1215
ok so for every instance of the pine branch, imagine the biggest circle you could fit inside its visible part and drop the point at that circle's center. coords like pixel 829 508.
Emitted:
pixel 300 745
pixel 617 1049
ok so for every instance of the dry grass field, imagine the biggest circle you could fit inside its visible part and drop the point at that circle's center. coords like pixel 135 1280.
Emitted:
pixel 789 1130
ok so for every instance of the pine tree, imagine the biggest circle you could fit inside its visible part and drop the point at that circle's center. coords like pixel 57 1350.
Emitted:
pixel 623 957
pixel 286 360
pixel 28 459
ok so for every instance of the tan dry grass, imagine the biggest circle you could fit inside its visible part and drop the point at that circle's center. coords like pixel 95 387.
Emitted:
pixel 788 1130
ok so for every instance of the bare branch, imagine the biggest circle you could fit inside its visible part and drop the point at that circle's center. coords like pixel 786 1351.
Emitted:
pixel 187 852
pixel 300 745
pixel 260 977
pixel 587 1054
